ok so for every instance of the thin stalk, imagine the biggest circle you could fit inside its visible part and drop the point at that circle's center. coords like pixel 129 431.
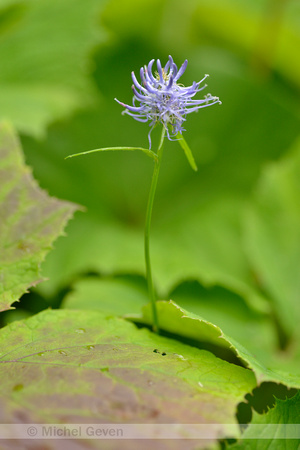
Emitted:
pixel 151 290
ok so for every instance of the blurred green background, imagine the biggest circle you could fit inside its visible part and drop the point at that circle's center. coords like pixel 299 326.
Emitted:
pixel 62 64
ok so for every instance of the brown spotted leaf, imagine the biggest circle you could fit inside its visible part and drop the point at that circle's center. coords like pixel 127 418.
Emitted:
pixel 85 366
pixel 30 221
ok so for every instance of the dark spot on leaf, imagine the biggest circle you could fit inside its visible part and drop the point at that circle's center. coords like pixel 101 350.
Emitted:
pixel 104 369
pixel 24 246
pixel 18 387
pixel 157 351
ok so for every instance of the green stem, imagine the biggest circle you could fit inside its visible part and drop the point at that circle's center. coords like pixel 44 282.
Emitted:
pixel 147 231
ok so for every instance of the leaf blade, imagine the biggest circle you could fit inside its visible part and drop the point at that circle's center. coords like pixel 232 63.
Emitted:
pixel 106 149
pixel 174 319
pixel 51 83
pixel 274 429
pixel 128 366
pixel 30 221
pixel 187 151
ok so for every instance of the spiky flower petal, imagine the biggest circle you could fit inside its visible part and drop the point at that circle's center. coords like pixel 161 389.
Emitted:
pixel 162 100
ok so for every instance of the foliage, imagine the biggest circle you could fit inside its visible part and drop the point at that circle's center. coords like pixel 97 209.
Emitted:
pixel 224 241
pixel 47 81
pixel 134 364
pixel 271 432
pixel 31 220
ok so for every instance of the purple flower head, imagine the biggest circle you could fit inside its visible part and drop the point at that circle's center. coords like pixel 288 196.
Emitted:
pixel 161 99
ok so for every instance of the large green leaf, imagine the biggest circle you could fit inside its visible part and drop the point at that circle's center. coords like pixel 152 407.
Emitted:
pixel 205 244
pixel 216 312
pixel 119 296
pixel 176 320
pixel 254 330
pixel 274 430
pixel 30 221
pixel 48 80
pixel 272 237
pixel 207 247
pixel 74 366
pixel 126 295
pixel 93 246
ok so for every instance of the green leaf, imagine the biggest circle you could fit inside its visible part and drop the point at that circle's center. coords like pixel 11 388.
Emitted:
pixel 187 151
pixel 120 18
pixel 274 430
pixel 118 296
pixel 106 247
pixel 118 373
pixel 51 80
pixel 32 107
pixel 205 244
pixel 254 330
pixel 269 35
pixel 145 150
pixel 176 320
pixel 272 237
pixel 126 295
pixel 30 221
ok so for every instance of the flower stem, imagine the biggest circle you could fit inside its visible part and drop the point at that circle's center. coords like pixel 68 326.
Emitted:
pixel 151 291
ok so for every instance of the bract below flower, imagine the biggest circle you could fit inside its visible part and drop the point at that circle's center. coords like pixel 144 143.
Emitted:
pixel 160 99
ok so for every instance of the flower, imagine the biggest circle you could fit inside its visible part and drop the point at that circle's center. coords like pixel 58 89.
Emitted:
pixel 162 100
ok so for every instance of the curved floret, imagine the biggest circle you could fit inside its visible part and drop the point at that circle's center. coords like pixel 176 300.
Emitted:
pixel 160 99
